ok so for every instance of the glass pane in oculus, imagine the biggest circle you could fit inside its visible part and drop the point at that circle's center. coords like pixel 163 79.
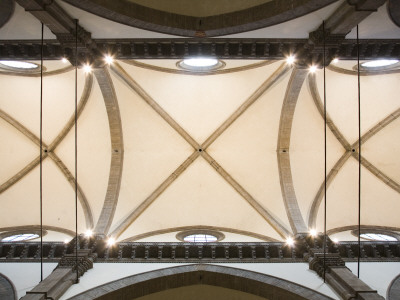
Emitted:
pixel 18 64
pixel 20 237
pixel 378 237
pixel 200 64
pixel 200 238
pixel 379 63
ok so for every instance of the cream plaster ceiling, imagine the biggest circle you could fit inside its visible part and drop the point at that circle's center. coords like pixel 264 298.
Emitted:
pixel 200 196
pixel 235 184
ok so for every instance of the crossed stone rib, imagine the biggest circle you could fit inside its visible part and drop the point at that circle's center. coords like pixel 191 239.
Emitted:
pixel 200 150
pixel 285 128
pixel 48 151
pixel 201 227
pixel 117 153
pixel 346 145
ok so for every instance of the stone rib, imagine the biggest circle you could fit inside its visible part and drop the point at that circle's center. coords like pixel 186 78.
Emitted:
pixel 320 106
pixel 280 228
pixel 81 105
pixel 321 191
pixel 117 150
pixel 199 227
pixel 279 73
pixel 25 131
pixel 81 196
pixel 120 72
pixel 153 196
pixel 339 164
pixel 285 128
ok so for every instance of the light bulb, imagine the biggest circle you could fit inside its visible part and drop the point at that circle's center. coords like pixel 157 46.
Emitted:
pixel 290 60
pixel 111 241
pixel 87 68
pixel 109 59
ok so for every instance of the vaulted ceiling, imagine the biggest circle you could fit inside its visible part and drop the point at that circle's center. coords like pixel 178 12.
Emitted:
pixel 161 149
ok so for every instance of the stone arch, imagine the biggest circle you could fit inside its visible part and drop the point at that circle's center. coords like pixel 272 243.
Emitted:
pixel 393 291
pixel 7 289
pixel 249 282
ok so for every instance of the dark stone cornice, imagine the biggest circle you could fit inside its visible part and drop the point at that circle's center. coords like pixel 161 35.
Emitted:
pixel 273 49
pixel 133 252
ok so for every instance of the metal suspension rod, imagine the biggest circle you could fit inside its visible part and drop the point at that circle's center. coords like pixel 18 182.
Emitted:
pixel 76 151
pixel 325 171
pixel 41 156
pixel 359 156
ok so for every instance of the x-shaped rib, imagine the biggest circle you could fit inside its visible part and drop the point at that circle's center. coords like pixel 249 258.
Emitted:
pixel 349 151
pixel 199 150
pixel 49 151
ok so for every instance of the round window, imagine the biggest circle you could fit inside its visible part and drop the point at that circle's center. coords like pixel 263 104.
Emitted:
pixel 379 63
pixel 378 237
pixel 200 64
pixel 19 64
pixel 21 237
pixel 200 236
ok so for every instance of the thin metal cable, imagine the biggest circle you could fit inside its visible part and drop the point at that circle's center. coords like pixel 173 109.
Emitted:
pixel 323 61
pixel 359 156
pixel 41 156
pixel 76 150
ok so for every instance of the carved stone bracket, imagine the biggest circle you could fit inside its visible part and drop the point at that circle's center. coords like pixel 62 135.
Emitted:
pixel 338 276
pixel 85 259
pixel 317 260
pixel 63 276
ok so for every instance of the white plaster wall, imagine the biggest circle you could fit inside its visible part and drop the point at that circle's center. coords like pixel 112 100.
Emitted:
pixel 25 276
pixel 377 275
pixel 106 272
pixel 295 272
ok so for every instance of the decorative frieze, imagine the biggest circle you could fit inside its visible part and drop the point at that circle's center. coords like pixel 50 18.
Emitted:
pixel 273 49
pixel 195 252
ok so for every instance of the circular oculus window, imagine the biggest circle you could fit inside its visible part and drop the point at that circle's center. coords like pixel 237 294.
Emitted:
pixel 378 65
pixel 200 64
pixel 20 66
pixel 378 237
pixel 200 236
pixel 21 237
